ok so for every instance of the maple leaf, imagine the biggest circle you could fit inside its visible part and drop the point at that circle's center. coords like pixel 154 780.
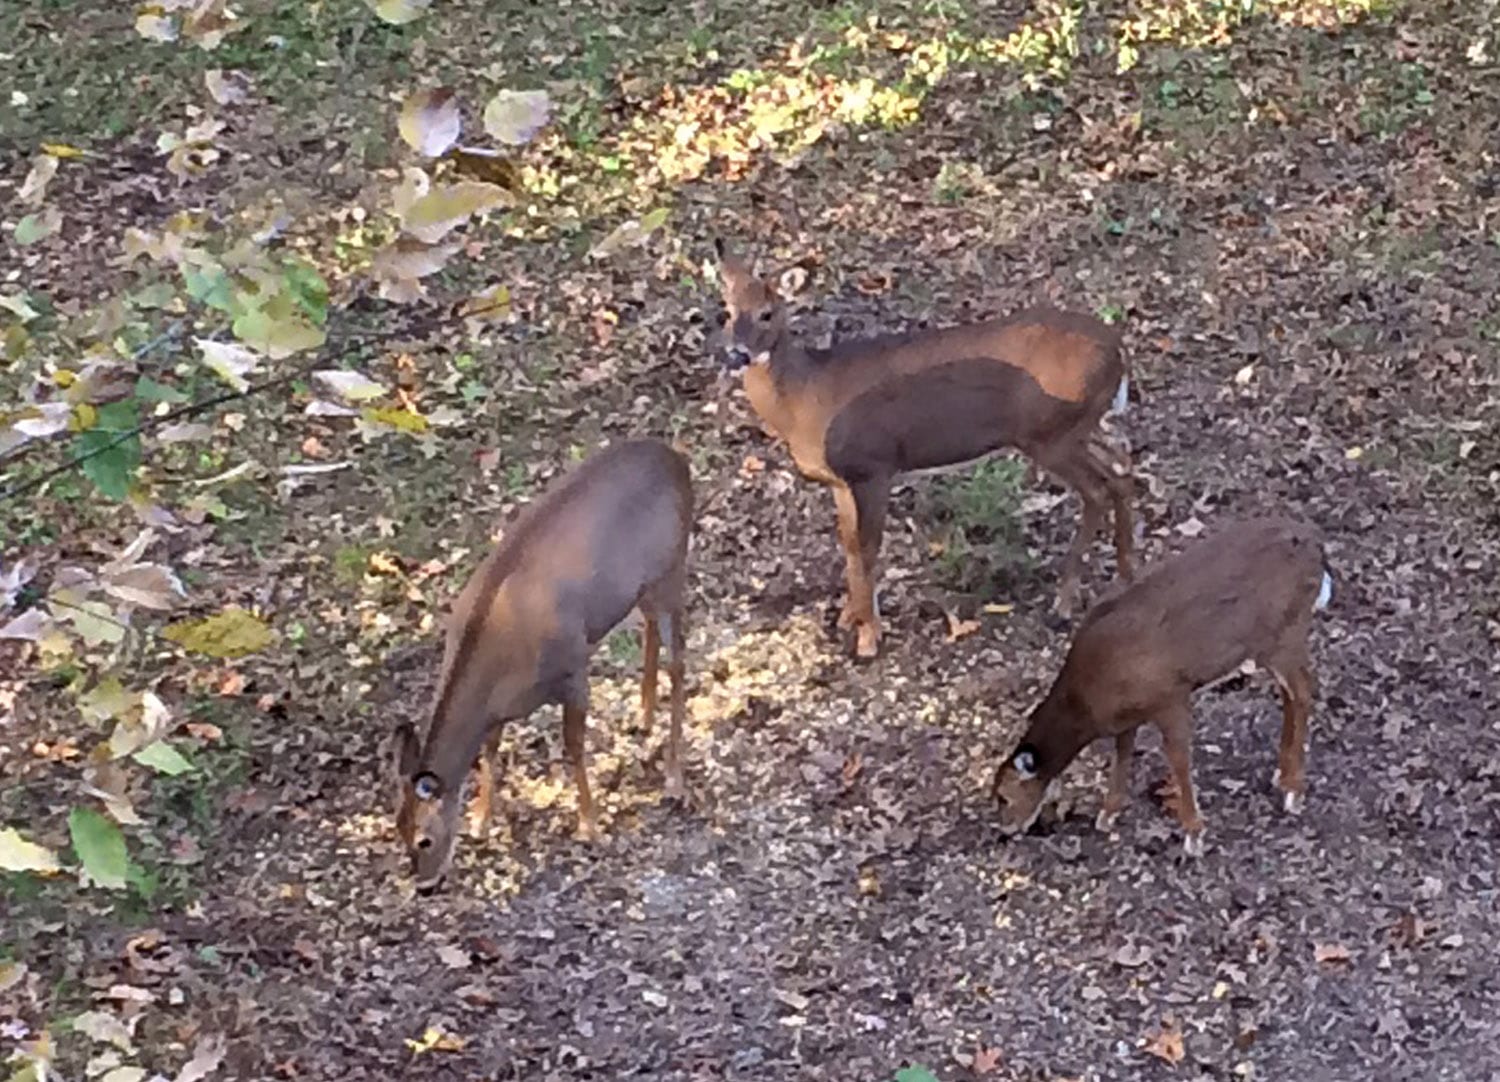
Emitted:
pixel 1166 1044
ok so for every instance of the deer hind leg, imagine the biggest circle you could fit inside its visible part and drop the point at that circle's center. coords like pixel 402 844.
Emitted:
pixel 1176 724
pixel 1114 468
pixel 1294 676
pixel 1078 471
pixel 481 811
pixel 677 668
pixel 861 514
pixel 1118 793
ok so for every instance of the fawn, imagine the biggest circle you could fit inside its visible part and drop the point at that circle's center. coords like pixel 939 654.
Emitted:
pixel 1248 591
pixel 857 415
pixel 611 536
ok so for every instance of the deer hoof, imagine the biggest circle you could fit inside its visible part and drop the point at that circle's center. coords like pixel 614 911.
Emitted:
pixel 866 641
pixel 1292 801
pixel 674 788
pixel 1192 843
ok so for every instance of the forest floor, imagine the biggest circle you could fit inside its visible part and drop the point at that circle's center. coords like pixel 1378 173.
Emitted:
pixel 1300 228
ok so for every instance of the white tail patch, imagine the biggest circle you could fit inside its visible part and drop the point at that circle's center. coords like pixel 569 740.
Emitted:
pixel 1325 592
pixel 1122 396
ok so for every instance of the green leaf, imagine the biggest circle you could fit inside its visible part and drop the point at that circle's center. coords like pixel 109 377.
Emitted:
pixel 308 289
pixel 100 847
pixel 915 1074
pixel 164 759
pixel 111 470
pixel 210 286
pixel 148 390
pixel 232 633
pixel 19 855
pixel 38 226
pixel 275 334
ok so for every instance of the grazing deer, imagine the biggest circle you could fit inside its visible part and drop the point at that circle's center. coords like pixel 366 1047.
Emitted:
pixel 609 537
pixel 1249 591
pixel 857 415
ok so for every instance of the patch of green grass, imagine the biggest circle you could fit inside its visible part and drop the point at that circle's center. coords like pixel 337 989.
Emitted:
pixel 979 517
pixel 623 647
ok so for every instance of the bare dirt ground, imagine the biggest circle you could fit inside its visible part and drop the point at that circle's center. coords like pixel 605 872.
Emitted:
pixel 1309 296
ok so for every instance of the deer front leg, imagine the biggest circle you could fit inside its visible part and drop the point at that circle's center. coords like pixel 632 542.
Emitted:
pixel 1118 793
pixel 482 809
pixel 575 713
pixel 861 513
pixel 650 662
pixel 1176 725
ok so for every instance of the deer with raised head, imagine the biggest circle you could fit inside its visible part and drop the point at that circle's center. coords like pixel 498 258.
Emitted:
pixel 610 537
pixel 856 416
pixel 1246 592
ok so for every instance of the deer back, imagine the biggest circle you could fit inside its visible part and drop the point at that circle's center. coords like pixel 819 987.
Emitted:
pixel 938 397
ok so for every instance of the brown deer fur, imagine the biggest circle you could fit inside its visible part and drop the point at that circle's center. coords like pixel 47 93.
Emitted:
pixel 856 416
pixel 610 537
pixel 1248 591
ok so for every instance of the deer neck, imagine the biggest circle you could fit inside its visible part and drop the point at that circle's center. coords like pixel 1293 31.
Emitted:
pixel 772 385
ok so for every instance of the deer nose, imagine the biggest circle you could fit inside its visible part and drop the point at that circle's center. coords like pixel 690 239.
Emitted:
pixel 736 357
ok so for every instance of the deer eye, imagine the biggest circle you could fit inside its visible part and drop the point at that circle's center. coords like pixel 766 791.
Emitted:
pixel 425 786
pixel 764 316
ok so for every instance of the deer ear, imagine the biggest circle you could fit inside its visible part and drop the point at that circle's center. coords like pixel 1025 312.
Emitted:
pixel 405 751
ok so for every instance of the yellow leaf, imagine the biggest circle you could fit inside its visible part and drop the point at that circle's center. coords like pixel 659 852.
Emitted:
pixel 62 150
pixel 515 116
pixel 442 210
pixel 232 633
pixel 108 699
pixel 19 855
pixel 84 418
pixel 998 610
pixel 435 1040
pixel 399 12
pixel 397 418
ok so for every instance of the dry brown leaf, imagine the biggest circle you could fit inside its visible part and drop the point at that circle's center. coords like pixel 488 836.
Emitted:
pixel 1331 952
pixel 958 629
pixel 1166 1044
pixel 985 1060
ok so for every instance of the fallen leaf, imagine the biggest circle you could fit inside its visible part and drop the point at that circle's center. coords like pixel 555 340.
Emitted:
pixel 34 187
pixel 104 1028
pixel 985 1060
pixel 155 27
pixel 1131 955
pixel 454 957
pixel 351 385
pixel 958 629
pixel 19 855
pixel 227 87
pixel 434 215
pixel 232 633
pixel 515 116
pixel 1330 952
pixel 399 12
pixel 208 1054
pixel 1167 1045
pixel 430 121
pixel 37 227
pixel 995 609
pixel 230 361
